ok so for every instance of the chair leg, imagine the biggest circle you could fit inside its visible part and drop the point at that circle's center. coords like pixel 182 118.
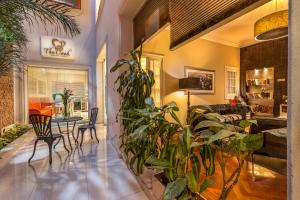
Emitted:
pixel 50 143
pixel 70 142
pixel 34 148
pixel 96 135
pixel 82 133
pixel 91 133
pixel 56 143
pixel 77 136
pixel 63 139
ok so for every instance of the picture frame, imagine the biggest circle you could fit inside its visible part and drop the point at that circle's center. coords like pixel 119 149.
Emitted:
pixel 75 4
pixel 207 78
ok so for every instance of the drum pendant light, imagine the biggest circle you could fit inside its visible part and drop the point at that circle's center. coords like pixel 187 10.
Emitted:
pixel 273 26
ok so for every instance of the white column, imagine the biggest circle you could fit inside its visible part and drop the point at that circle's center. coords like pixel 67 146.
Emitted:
pixel 294 102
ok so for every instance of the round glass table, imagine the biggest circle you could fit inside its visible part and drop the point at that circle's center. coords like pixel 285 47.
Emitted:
pixel 70 122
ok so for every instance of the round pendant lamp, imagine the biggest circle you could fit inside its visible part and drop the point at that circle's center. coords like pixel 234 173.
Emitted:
pixel 273 26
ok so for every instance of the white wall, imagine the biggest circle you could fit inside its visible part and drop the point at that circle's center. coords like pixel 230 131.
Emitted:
pixel 116 31
pixel 108 32
pixel 84 43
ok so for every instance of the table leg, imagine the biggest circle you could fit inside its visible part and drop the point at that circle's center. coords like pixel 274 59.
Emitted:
pixel 73 130
pixel 60 133
pixel 68 132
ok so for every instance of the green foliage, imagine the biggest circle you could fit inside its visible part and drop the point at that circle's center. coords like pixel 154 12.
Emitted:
pixel 12 134
pixel 16 14
pixel 66 95
pixel 134 85
pixel 155 137
pixel 175 188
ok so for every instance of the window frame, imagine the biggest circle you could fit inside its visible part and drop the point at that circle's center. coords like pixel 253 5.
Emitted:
pixel 236 70
pixel 162 81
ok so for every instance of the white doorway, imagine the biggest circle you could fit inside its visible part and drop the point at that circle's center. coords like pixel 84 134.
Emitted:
pixel 101 85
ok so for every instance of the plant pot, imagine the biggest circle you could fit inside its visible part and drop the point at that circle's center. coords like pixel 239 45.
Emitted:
pixel 158 187
pixel 147 177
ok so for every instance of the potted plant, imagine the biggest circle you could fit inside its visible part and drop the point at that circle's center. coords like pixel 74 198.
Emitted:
pixel 185 154
pixel 66 95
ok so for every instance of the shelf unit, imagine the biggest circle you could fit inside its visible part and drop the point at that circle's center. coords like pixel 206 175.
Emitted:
pixel 260 90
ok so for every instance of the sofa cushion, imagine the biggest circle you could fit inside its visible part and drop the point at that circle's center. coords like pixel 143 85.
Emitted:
pixel 232 117
pixel 35 106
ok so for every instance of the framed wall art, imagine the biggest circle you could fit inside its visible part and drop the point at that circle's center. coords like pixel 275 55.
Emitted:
pixel 207 79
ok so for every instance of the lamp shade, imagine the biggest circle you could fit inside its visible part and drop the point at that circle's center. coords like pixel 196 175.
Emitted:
pixel 190 83
pixel 273 26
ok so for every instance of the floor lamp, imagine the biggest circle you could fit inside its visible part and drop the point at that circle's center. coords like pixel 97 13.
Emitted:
pixel 188 84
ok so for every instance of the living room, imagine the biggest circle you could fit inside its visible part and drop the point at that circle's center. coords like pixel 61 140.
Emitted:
pixel 243 70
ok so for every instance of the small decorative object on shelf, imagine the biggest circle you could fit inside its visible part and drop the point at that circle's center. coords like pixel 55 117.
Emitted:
pixel 66 99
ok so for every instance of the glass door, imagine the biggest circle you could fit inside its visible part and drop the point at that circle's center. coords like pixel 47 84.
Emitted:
pixel 45 85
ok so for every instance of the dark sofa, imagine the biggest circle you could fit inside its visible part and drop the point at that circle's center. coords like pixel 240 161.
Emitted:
pixel 274 146
pixel 230 113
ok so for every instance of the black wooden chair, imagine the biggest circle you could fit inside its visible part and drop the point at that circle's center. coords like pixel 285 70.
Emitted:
pixel 90 125
pixel 42 127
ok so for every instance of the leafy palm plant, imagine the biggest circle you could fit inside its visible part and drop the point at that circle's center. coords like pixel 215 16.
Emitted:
pixel 150 133
pixel 154 136
pixel 16 14
pixel 134 85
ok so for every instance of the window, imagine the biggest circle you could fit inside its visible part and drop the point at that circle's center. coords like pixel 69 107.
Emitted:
pixel 231 82
pixel 154 63
pixel 45 83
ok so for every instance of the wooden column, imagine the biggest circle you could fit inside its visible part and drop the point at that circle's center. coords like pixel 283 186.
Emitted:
pixel 294 102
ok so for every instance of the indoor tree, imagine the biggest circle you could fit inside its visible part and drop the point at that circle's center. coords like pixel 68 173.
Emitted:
pixel 134 85
pixel 16 14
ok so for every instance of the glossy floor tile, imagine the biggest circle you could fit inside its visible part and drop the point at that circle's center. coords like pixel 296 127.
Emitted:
pixel 94 171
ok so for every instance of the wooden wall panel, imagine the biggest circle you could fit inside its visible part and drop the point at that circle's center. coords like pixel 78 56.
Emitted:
pixel 153 15
pixel 191 17
pixel 268 54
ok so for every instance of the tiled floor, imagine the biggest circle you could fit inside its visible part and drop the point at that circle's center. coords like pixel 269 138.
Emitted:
pixel 93 172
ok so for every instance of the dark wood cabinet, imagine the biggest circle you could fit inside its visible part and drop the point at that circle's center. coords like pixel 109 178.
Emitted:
pixel 265 55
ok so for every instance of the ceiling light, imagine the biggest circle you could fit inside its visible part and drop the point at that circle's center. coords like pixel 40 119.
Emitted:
pixel 273 26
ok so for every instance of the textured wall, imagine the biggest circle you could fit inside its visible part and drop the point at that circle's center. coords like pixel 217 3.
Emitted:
pixel 294 102
pixel 6 101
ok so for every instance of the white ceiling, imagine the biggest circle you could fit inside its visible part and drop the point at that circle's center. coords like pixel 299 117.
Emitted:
pixel 240 32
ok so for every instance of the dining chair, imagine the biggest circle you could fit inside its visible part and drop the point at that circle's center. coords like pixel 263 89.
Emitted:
pixel 90 125
pixel 42 127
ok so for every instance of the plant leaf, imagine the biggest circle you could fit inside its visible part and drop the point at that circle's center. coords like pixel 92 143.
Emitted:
pixel 221 135
pixel 215 117
pixel 208 124
pixel 157 163
pixel 191 181
pixel 246 123
pixel 252 142
pixel 174 189
pixel 205 184
pixel 139 132
pixel 206 134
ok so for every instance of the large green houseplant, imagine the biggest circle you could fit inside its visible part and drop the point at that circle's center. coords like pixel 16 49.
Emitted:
pixel 134 85
pixel 186 154
pixel 15 15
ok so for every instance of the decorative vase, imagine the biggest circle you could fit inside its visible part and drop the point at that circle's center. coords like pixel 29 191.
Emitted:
pixel 66 110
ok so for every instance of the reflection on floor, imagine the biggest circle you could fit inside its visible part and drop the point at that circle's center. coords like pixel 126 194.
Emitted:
pixel 267 185
pixel 93 172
